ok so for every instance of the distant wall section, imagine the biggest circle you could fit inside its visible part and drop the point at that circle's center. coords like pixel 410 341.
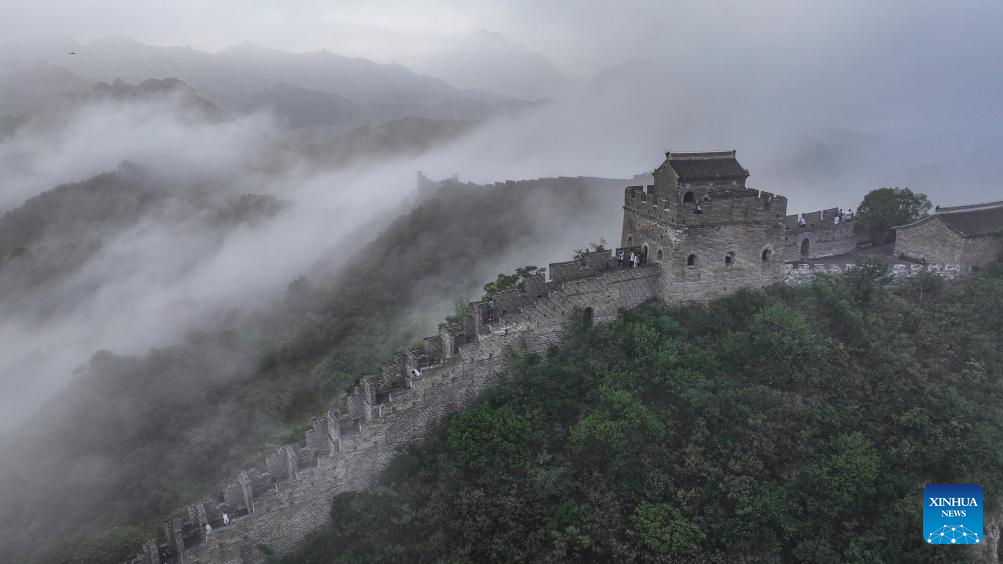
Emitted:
pixel 819 236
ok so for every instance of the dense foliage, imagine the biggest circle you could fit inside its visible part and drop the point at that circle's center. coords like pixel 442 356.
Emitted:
pixel 885 208
pixel 514 281
pixel 797 425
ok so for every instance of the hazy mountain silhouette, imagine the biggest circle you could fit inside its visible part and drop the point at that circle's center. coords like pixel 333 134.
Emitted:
pixel 488 61
pixel 197 106
pixel 302 107
pixel 235 72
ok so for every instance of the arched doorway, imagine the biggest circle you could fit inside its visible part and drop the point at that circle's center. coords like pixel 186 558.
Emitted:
pixel 688 197
pixel 805 247
pixel 587 318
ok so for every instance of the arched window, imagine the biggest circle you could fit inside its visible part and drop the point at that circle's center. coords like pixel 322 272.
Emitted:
pixel 659 255
pixel 729 258
pixel 630 241
pixel 767 255
pixel 688 197
pixel 587 317
pixel 691 260
pixel 644 251
pixel 805 247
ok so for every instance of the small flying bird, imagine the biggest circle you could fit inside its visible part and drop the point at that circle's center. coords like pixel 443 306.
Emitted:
pixel 72 53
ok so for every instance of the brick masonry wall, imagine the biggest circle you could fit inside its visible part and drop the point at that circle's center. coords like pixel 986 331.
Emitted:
pixel 711 275
pixel 930 240
pixel 590 264
pixel 290 501
pixel 732 205
pixel 824 240
pixel 978 252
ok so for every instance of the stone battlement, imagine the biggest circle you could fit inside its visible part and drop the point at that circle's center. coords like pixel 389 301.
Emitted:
pixel 819 237
pixel 346 450
pixel 728 205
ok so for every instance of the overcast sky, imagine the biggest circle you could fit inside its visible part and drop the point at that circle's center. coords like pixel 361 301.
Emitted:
pixel 581 37
pixel 913 85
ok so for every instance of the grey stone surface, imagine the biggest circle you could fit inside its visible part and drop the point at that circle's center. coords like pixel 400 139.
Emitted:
pixel 710 237
pixel 805 272
pixel 935 240
pixel 824 238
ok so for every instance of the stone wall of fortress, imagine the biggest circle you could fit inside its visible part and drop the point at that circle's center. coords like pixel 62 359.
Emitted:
pixel 280 504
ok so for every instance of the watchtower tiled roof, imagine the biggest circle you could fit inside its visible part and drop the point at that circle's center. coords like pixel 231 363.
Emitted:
pixel 974 221
pixel 696 167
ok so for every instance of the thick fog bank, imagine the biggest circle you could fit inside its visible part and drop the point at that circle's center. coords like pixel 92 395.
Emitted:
pixel 182 253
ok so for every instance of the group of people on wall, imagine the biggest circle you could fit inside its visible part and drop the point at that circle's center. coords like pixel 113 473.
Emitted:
pixel 839 217
pixel 631 257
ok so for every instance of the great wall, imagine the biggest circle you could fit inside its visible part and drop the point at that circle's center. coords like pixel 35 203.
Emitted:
pixel 343 451
pixel 701 233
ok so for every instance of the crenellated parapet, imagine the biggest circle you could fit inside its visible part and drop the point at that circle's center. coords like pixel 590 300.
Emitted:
pixel 695 208
pixel 344 450
pixel 818 234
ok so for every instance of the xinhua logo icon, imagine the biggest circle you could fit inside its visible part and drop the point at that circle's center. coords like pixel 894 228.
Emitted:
pixel 952 514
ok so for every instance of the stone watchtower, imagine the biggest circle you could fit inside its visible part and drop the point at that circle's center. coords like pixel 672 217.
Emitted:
pixel 710 233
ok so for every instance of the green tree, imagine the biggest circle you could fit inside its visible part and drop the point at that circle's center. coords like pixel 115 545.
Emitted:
pixel 617 430
pixel 868 280
pixel 848 474
pixel 665 530
pixel 885 208
pixel 516 280
pixel 785 347
pixel 460 308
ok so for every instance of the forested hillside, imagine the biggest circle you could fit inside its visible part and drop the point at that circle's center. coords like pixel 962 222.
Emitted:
pixel 134 438
pixel 796 425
